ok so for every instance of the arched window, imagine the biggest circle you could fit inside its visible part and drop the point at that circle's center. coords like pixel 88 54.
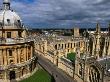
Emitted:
pixel 94 75
pixel 55 46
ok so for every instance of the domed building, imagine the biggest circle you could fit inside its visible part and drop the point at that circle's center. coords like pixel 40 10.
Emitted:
pixel 17 59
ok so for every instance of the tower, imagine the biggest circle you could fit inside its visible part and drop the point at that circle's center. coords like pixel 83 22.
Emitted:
pixel 109 29
pixel 96 42
pixel 97 28
pixel 76 32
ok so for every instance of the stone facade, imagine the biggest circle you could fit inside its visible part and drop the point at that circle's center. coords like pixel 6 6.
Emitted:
pixel 56 49
pixel 93 65
pixel 92 54
pixel 17 59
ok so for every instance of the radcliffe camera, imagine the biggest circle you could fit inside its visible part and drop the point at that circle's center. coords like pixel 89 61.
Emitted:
pixel 54 41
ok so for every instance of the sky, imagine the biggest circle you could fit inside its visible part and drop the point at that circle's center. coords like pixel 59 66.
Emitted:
pixel 62 13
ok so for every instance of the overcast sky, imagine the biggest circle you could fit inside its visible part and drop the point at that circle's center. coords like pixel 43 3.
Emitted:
pixel 62 13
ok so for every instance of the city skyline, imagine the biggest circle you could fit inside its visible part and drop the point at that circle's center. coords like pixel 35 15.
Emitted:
pixel 63 13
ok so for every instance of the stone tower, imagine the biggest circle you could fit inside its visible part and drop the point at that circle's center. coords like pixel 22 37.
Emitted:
pixel 76 32
pixel 96 42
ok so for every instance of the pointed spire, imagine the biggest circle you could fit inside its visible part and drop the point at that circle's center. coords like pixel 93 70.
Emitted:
pixel 98 28
pixel 109 29
pixel 6 4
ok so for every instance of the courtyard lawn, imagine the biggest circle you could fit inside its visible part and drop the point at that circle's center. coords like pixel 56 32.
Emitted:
pixel 40 76
pixel 71 56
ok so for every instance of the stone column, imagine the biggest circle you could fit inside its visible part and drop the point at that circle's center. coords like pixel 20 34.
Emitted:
pixel 26 53
pixel 31 51
pixel 15 56
pixel 1 58
pixel 19 54
pixel 5 76
pixel 87 74
pixel 5 57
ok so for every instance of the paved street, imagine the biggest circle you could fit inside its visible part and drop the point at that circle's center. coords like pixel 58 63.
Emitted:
pixel 59 75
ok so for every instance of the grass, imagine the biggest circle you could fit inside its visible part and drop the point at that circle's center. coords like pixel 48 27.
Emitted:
pixel 40 76
pixel 71 56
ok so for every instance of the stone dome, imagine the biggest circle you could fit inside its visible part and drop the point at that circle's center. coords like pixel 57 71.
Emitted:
pixel 8 17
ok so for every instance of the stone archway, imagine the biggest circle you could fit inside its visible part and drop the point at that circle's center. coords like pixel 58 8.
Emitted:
pixel 12 75
pixel 94 74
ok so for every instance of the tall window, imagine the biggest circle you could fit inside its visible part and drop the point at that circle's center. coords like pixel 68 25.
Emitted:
pixel 65 45
pixel 62 46
pixel 10 52
pixel 71 45
pixel 19 34
pixel 8 34
pixel 68 45
pixel 55 46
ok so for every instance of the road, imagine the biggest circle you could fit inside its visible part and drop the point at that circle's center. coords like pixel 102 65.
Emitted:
pixel 59 75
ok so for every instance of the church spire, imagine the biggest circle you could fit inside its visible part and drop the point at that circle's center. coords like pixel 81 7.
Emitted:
pixel 98 28
pixel 109 29
pixel 6 4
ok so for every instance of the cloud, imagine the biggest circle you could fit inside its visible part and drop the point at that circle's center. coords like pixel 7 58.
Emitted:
pixel 61 13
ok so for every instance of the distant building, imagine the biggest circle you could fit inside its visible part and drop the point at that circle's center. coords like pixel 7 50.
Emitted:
pixel 94 64
pixel 92 61
pixel 76 32
pixel 17 59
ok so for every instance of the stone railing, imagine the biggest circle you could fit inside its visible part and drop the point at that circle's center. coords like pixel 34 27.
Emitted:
pixel 14 41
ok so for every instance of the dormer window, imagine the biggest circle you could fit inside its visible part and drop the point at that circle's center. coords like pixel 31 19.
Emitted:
pixel 19 22
pixel 8 21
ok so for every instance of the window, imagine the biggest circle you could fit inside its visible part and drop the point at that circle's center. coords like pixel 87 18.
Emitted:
pixel 8 34
pixel 59 45
pixel 8 21
pixel 62 46
pixel 19 22
pixel 65 45
pixel 19 34
pixel 71 45
pixel 55 46
pixel 79 44
pixel 11 61
pixel 10 52
pixel 68 45
pixel 74 44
